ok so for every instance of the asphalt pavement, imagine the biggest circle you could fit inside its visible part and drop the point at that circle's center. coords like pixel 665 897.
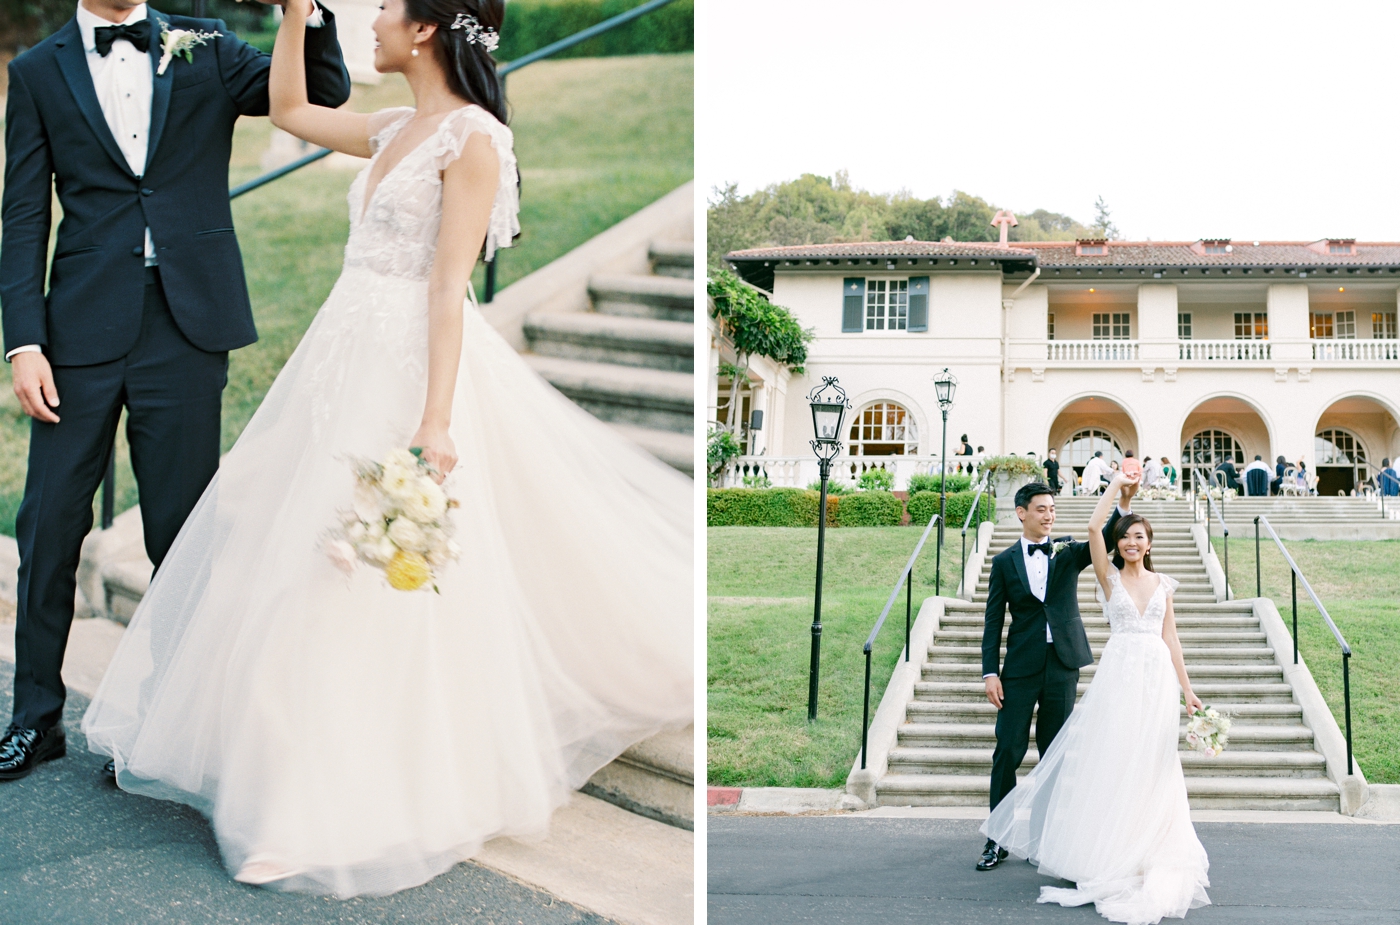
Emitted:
pixel 76 851
pixel 766 870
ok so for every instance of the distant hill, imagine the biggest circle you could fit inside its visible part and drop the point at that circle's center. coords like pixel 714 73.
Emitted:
pixel 825 210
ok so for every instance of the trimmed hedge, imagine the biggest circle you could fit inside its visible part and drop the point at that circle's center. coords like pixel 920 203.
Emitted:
pixel 924 504
pixel 932 482
pixel 533 24
pixel 767 507
pixel 870 509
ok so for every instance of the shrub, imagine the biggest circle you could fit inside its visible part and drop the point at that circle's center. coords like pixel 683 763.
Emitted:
pixel 533 24
pixel 932 482
pixel 757 481
pixel 833 487
pixel 870 509
pixel 766 507
pixel 923 505
pixel 876 480
pixel 1013 465
pixel 720 448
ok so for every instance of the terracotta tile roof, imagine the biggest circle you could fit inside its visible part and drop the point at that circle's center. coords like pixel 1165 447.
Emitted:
pixel 875 249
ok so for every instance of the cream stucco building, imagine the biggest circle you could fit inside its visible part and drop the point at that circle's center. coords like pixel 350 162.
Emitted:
pixel 1194 351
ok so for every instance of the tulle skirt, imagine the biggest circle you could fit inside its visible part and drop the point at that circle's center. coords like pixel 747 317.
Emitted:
pixel 364 739
pixel 1106 806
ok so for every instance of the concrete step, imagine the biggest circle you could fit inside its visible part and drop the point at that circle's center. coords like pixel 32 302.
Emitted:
pixel 933 671
pixel 676 450
pixel 654 778
pixel 1192 654
pixel 1267 793
pixel 663 298
pixel 964 711
pixel 978 761
pixel 1208 690
pixel 1223 635
pixel 612 339
pixel 951 620
pixel 1094 607
pixel 673 258
pixel 1268 737
pixel 1191 597
pixel 654 398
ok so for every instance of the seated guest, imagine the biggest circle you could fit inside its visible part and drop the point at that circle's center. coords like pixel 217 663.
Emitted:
pixel 1388 482
pixel 1280 467
pixel 1232 479
pixel 1256 477
pixel 1151 472
pixel 1168 472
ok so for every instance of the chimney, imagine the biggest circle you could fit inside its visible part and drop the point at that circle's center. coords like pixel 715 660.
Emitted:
pixel 1007 221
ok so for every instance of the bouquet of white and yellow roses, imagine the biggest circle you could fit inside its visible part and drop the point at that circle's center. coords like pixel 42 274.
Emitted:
pixel 1207 731
pixel 398 522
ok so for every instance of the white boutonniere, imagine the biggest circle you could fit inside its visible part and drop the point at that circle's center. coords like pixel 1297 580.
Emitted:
pixel 180 42
pixel 1055 549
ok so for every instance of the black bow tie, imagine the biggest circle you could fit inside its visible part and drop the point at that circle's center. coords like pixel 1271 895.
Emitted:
pixel 1040 547
pixel 137 33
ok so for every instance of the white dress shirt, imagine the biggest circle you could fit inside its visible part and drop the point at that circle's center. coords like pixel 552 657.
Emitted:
pixel 1038 574
pixel 123 80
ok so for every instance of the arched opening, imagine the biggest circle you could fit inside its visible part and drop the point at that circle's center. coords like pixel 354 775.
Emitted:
pixel 883 428
pixel 1352 440
pixel 1089 425
pixel 1218 429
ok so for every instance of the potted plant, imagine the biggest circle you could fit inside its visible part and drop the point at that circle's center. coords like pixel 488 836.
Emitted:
pixel 1007 474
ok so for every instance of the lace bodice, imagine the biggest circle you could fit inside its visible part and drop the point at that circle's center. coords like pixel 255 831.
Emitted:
pixel 1123 615
pixel 396 232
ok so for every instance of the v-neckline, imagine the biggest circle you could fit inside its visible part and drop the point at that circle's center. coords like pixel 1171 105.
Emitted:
pixel 1142 614
pixel 371 193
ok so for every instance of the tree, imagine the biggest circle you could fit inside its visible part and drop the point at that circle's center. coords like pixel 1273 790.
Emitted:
pixel 755 327
pixel 1103 222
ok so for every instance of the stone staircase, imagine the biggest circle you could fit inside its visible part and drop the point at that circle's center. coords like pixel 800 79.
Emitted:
pixel 943 754
pixel 630 360
pixel 1320 518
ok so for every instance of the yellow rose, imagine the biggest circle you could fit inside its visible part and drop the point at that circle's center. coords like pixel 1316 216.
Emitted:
pixel 408 571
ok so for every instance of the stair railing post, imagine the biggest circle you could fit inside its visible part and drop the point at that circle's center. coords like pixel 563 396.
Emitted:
pixel 908 608
pixel 865 716
pixel 1295 616
pixel 109 490
pixel 1346 694
pixel 490 295
pixel 1258 575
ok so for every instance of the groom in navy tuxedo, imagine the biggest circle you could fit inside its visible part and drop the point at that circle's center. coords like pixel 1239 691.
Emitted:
pixel 145 297
pixel 1037 579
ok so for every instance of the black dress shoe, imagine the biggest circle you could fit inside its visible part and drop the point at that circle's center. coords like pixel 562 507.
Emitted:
pixel 991 856
pixel 23 750
pixel 109 771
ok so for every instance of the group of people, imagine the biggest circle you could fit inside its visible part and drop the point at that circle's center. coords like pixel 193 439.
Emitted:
pixel 1099 472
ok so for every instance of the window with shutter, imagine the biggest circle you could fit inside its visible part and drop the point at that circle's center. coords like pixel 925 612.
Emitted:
pixel 918 303
pixel 853 305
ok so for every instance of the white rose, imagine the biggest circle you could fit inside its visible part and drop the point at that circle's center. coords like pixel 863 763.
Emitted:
pixel 401 458
pixel 407 535
pixel 399 483
pixel 342 556
pixel 427 503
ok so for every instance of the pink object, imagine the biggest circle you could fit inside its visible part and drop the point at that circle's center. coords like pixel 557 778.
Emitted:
pixel 1007 221
pixel 1132 468
pixel 724 796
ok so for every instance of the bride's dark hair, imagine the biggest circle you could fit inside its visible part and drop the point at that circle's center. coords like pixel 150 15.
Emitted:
pixel 1120 530
pixel 471 71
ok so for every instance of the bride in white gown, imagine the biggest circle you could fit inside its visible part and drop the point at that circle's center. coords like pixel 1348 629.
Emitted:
pixel 1106 805
pixel 344 737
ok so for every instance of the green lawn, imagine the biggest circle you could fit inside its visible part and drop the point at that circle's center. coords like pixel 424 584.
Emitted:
pixel 1359 585
pixel 597 140
pixel 761 581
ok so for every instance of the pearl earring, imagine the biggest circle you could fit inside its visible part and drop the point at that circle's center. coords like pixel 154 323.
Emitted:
pixel 415 52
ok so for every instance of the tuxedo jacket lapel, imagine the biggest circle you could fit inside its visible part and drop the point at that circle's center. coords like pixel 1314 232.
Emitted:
pixel 160 86
pixel 1018 559
pixel 72 62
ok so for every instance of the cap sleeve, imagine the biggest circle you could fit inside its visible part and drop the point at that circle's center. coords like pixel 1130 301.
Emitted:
pixel 1170 583
pixel 385 123
pixel 452 135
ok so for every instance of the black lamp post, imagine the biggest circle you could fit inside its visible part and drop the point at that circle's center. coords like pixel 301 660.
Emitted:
pixel 829 406
pixel 945 384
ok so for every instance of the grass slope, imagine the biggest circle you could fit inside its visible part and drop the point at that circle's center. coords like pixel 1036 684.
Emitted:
pixel 1360 587
pixel 761 581
pixel 597 140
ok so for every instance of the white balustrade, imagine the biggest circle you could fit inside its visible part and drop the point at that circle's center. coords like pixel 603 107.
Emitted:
pixel 1224 351
pixel 1356 351
pixel 801 471
pixel 1091 350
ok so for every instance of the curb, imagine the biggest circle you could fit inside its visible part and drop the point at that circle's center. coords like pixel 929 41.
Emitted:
pixel 781 801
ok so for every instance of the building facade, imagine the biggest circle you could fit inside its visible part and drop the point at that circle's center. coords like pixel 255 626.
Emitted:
pixel 1196 351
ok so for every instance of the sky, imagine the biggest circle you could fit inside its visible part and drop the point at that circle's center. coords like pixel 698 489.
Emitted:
pixel 1245 120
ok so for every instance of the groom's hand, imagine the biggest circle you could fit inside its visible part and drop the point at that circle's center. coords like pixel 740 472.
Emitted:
pixel 33 378
pixel 994 691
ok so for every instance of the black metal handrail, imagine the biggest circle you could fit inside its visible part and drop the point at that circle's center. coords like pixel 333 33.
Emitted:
pixel 976 508
pixel 109 480
pixel 905 579
pixel 1224 528
pixel 1297 575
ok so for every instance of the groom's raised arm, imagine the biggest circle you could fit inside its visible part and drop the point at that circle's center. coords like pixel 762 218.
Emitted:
pixel 27 215
pixel 245 69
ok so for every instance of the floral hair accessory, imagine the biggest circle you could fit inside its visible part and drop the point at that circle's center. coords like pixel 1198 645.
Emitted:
pixel 477 34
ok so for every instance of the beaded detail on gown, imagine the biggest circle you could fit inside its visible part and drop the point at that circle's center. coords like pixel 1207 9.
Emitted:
pixel 1106 805
pixel 360 739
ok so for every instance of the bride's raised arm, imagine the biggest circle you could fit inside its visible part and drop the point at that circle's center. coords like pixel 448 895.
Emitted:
pixel 1098 548
pixel 289 108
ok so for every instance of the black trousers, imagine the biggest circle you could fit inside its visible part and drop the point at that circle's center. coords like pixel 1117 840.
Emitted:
pixel 172 392
pixel 1054 690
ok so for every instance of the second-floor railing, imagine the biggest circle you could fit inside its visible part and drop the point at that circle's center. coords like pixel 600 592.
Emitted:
pixel 1343 349
pixel 1091 350
pixel 801 471
pixel 1224 350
